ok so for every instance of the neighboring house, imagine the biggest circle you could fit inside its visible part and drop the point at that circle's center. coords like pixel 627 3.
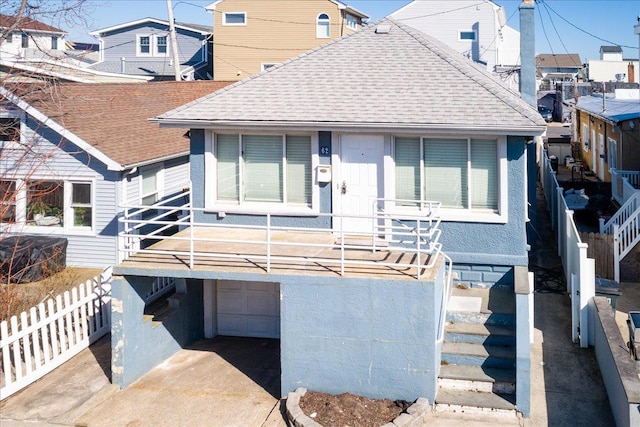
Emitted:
pixel 69 154
pixel 558 68
pixel 143 48
pixel 251 36
pixel 612 67
pixel 25 38
pixel 608 132
pixel 302 195
pixel 476 29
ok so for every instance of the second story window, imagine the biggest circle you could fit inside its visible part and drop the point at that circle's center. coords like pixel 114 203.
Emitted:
pixel 144 45
pixel 352 22
pixel 323 26
pixel 234 18
pixel 161 45
pixel 25 40
pixel 54 42
pixel 9 129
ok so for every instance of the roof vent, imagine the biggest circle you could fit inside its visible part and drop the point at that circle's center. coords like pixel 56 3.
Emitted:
pixel 383 29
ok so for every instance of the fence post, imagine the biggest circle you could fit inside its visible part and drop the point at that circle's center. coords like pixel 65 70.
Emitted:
pixel 587 292
pixel 616 253
pixel 567 246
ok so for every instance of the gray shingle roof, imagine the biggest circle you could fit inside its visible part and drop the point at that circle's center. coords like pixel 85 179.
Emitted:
pixel 401 79
pixel 617 110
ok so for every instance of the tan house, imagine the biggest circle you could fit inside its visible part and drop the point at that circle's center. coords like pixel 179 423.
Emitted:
pixel 609 133
pixel 251 36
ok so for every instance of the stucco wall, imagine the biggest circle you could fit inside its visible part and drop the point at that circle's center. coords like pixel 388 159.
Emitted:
pixel 138 346
pixel 370 337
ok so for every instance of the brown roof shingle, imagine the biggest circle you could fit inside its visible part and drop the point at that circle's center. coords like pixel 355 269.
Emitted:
pixel 113 117
pixel 559 60
pixel 26 23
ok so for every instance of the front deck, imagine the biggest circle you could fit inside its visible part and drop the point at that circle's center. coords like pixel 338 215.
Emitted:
pixel 197 252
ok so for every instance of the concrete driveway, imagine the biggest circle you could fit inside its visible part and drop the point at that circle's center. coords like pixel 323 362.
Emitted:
pixel 220 382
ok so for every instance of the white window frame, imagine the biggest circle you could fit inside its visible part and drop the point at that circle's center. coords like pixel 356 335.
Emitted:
pixel 70 205
pixel 13 202
pixel 500 216
pixel 19 115
pixel 156 45
pixel 212 204
pixel 68 228
pixel 320 24
pixel 234 24
pixel 612 154
pixel 585 137
pixel 352 22
pixel 153 45
pixel 158 170
pixel 475 35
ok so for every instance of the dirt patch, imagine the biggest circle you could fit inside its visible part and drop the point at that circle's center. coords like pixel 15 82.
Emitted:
pixel 350 410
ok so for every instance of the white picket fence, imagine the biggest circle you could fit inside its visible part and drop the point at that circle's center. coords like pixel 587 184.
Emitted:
pixel 35 343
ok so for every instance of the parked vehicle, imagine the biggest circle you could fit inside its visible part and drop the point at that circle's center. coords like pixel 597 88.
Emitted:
pixel 546 113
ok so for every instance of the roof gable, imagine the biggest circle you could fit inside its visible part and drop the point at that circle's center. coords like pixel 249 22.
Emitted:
pixel 200 29
pixel 111 120
pixel 341 5
pixel 395 78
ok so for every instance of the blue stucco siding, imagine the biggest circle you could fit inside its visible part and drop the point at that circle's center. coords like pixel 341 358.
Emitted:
pixel 137 344
pixel 495 244
pixel 200 181
pixel 370 337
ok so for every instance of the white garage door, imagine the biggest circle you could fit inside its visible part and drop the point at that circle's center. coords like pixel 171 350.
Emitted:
pixel 248 309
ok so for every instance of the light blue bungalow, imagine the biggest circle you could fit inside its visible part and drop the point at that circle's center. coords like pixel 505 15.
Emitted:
pixel 328 195
pixel 71 153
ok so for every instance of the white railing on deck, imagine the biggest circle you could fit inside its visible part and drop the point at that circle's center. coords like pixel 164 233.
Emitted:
pixel 579 270
pixel 624 184
pixel 34 343
pixel 420 238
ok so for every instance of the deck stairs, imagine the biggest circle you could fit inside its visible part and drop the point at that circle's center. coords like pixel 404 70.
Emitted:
pixel 478 365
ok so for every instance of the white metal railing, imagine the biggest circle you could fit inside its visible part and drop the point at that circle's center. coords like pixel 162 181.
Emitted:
pixel 624 185
pixel 578 268
pixel 420 237
pixel 34 343
pixel 446 294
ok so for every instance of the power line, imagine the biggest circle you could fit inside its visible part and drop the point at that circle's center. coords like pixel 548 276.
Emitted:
pixel 545 31
pixel 582 30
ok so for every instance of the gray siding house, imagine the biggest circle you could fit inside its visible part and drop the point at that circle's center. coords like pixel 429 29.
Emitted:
pixel 143 48
pixel 329 195
pixel 70 154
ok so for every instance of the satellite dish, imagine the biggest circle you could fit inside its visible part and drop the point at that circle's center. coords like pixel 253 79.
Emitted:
pixel 620 76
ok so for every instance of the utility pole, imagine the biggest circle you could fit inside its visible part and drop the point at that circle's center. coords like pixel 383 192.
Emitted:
pixel 174 42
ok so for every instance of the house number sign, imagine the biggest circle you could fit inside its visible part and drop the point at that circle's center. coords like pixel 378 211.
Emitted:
pixel 324 151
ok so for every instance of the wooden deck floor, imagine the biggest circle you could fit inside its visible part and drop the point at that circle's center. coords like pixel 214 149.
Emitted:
pixel 292 253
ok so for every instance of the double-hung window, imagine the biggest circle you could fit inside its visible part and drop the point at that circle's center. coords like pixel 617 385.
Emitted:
pixel 150 186
pixel 7 201
pixel 161 45
pixel 274 169
pixel 152 45
pixel 462 174
pixel 144 45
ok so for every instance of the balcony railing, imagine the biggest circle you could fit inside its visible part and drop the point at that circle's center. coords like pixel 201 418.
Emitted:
pixel 170 228
pixel 624 184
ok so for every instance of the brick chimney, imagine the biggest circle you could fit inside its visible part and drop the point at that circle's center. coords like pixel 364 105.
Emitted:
pixel 528 52
pixel 631 72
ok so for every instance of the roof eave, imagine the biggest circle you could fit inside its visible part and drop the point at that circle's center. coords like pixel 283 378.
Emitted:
pixel 443 128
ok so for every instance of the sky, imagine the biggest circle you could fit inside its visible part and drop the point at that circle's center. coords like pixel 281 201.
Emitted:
pixel 562 26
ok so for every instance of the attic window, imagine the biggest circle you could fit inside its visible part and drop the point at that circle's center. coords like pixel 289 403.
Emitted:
pixel 234 18
pixel 323 26
pixel 467 35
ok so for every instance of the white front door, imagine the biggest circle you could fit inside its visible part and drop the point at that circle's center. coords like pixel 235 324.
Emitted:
pixel 601 156
pixel 361 175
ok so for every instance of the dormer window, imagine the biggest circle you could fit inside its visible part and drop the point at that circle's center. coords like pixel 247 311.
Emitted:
pixel 323 26
pixel 352 22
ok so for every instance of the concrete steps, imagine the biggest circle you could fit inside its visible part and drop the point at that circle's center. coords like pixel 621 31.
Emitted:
pixel 161 309
pixel 477 372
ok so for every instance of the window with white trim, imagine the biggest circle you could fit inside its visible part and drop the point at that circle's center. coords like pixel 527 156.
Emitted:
pixel 54 42
pixel 152 45
pixel 150 186
pixel 612 153
pixel 25 40
pixel 58 203
pixel 7 201
pixel 234 18
pixel 323 26
pixel 352 22
pixel 468 35
pixel 81 204
pixel 462 174
pixel 585 137
pixel 9 129
pixel 272 169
